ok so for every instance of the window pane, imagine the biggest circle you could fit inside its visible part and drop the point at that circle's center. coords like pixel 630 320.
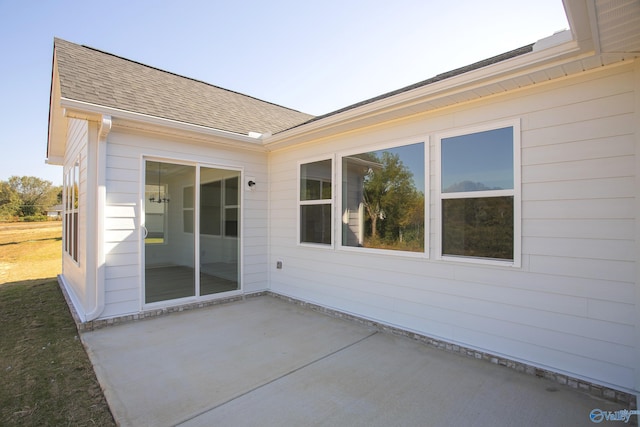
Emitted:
pixel 187 197
pixel 315 224
pixel 231 222
pixel 67 235
pixel 74 251
pixel 210 208
pixel 231 191
pixel 187 215
pixel 383 199
pixel 478 162
pixel 315 180
pixel 478 227
pixel 154 213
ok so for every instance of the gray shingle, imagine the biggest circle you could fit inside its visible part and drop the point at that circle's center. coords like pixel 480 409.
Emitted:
pixel 96 77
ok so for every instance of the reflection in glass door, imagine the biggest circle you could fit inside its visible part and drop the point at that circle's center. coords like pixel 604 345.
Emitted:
pixel 169 247
pixel 219 248
pixel 183 214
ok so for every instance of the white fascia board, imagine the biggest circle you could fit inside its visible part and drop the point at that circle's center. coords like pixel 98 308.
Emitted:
pixel 124 118
pixel 54 160
pixel 526 63
pixel 57 126
pixel 581 21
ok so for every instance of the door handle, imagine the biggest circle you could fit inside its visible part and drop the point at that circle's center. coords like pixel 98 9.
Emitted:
pixel 146 232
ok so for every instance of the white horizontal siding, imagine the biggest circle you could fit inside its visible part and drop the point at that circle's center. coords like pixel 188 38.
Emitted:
pixel 571 307
pixel 606 209
pixel 610 167
pixel 622 271
pixel 579 228
pixel 603 188
pixel 121 258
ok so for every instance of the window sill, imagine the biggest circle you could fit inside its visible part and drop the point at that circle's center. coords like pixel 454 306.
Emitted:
pixel 480 261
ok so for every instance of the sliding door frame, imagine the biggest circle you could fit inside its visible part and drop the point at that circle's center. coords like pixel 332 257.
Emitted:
pixel 197 297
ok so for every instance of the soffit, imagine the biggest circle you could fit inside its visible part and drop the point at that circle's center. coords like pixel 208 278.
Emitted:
pixel 618 25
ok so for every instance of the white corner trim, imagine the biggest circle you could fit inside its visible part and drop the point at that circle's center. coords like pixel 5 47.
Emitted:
pixel 98 180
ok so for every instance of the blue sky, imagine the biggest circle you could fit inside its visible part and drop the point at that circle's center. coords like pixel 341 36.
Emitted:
pixel 313 56
pixel 480 158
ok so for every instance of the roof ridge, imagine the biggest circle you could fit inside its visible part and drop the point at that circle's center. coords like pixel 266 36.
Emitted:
pixel 180 76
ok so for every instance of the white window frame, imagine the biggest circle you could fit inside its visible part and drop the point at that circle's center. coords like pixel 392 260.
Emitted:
pixel 382 146
pixel 300 203
pixel 516 193
pixel 165 222
pixel 225 207
pixel 71 195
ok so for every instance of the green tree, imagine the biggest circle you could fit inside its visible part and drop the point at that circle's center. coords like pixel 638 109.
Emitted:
pixel 9 201
pixel 27 196
pixel 392 201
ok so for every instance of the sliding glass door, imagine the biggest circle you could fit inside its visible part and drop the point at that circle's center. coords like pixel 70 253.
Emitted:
pixel 219 248
pixel 192 231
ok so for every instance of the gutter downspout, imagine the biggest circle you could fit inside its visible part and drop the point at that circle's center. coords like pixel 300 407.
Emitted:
pixel 100 204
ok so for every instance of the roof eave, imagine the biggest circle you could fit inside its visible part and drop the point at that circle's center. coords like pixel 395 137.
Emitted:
pixel 57 126
pixel 132 120
pixel 552 52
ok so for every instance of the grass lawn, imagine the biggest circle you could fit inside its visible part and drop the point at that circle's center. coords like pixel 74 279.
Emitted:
pixel 46 378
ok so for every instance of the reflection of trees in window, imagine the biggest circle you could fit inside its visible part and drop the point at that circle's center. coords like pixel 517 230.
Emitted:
pixel 383 207
pixel 478 193
pixel 478 227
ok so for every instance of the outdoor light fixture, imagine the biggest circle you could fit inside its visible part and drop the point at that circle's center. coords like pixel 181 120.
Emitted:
pixel 160 198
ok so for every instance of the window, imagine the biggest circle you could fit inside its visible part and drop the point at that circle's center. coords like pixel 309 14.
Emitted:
pixel 218 208
pixel 155 214
pixel 479 194
pixel 71 194
pixel 231 207
pixel 211 208
pixel 383 199
pixel 187 208
pixel 316 202
pixel 156 202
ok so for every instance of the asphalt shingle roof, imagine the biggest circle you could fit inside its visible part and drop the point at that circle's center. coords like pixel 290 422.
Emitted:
pixel 97 77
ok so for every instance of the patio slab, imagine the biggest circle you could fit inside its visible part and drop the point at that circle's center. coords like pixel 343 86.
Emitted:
pixel 266 362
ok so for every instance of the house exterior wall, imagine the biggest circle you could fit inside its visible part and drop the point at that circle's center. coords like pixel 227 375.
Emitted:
pixel 126 151
pixel 75 272
pixel 571 307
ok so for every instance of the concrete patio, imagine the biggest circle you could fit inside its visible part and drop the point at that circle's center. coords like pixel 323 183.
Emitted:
pixel 266 362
